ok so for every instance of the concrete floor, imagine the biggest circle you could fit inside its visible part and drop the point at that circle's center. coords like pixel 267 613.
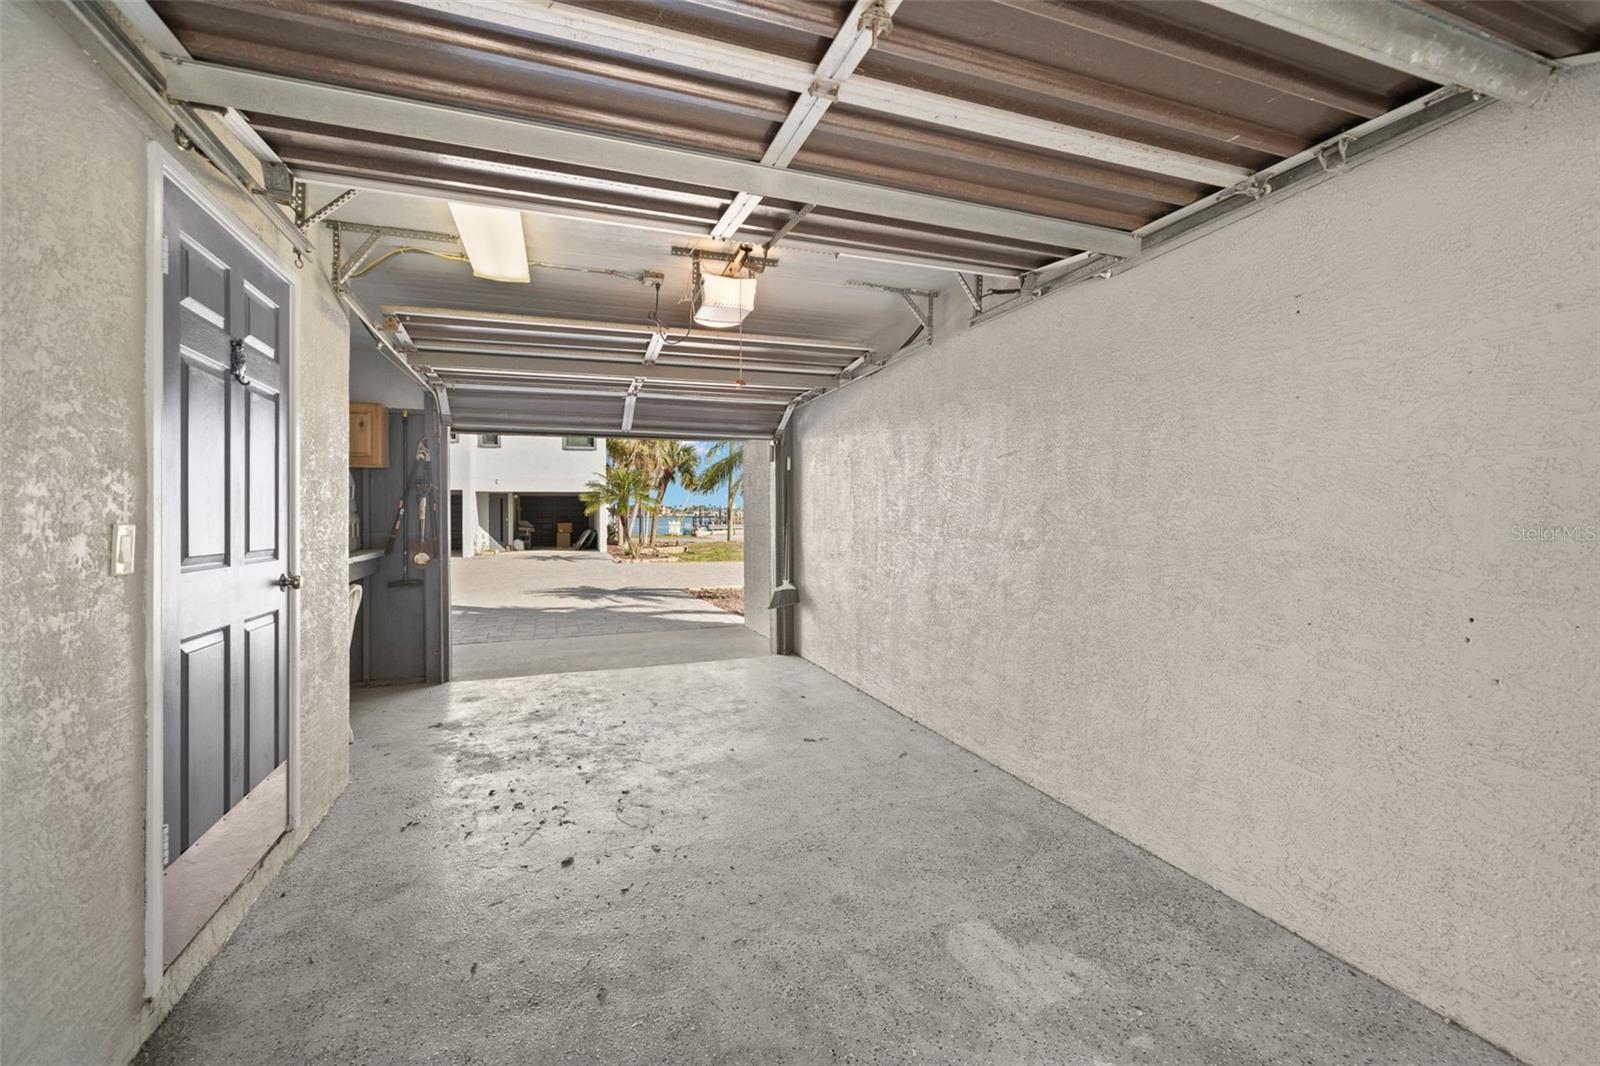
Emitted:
pixel 539 612
pixel 742 862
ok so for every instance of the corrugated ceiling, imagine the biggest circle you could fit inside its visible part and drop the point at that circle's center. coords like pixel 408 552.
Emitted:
pixel 1195 81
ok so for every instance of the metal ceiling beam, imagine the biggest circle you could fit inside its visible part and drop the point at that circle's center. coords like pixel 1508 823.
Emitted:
pixel 402 187
pixel 394 26
pixel 862 26
pixel 626 371
pixel 160 38
pixel 1409 38
pixel 201 83
pixel 1131 25
pixel 319 174
pixel 657 44
pixel 106 38
pixel 1323 162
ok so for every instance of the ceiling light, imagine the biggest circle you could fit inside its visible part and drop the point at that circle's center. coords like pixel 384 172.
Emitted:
pixel 494 242
pixel 722 302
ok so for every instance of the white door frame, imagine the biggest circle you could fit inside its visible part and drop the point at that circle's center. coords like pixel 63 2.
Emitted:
pixel 162 166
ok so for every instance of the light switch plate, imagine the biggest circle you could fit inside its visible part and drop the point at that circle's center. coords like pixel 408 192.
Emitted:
pixel 123 546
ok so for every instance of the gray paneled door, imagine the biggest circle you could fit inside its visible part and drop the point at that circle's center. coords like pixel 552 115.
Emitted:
pixel 225 470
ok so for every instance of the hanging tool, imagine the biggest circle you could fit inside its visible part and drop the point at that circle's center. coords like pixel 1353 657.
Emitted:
pixel 421 484
pixel 419 552
pixel 417 480
pixel 400 507
pixel 394 533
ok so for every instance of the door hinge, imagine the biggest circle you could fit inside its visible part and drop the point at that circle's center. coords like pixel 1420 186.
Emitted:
pixel 166 845
pixel 166 254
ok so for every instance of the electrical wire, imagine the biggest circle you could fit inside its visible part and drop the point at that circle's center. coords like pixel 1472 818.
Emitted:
pixel 655 320
pixel 391 253
pixel 457 257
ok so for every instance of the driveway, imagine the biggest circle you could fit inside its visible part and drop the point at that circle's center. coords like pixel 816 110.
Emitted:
pixel 559 611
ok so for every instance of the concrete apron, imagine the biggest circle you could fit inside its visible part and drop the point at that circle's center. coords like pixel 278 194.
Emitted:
pixel 745 861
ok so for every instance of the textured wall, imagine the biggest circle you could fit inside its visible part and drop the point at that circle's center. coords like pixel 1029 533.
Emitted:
pixel 1222 554
pixel 374 379
pixel 72 769
pixel 757 536
pixel 525 464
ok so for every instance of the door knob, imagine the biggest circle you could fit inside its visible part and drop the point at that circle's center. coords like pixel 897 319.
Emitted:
pixel 286 581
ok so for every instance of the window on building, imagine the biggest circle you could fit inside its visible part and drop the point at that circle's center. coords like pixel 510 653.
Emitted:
pixel 488 440
pixel 578 444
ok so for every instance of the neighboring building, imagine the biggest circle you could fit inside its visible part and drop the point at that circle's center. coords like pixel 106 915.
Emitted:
pixel 505 487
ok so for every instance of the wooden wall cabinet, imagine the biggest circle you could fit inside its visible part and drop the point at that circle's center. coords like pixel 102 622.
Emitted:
pixel 369 435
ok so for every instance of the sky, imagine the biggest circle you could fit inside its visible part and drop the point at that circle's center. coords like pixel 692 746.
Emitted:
pixel 676 497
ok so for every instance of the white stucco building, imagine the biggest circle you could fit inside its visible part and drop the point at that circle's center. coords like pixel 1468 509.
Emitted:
pixel 505 488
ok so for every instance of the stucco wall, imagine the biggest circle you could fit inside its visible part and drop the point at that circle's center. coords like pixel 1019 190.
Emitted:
pixel 72 769
pixel 524 464
pixel 374 379
pixel 1224 554
pixel 757 495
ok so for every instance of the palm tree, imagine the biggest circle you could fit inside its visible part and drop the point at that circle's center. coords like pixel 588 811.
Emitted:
pixel 727 468
pixel 679 461
pixel 643 456
pixel 625 490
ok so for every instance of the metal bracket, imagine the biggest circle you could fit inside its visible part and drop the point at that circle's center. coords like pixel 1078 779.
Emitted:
pixel 328 208
pixel 973 298
pixel 1254 187
pixel 824 89
pixel 876 21
pixel 398 232
pixel 753 262
pixel 441 394
pixel 788 227
pixel 628 403
pixel 341 276
pixel 925 317
pixel 910 297
pixel 280 183
pixel 1327 153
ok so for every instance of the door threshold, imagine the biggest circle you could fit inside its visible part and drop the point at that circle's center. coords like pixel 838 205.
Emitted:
pixel 199 882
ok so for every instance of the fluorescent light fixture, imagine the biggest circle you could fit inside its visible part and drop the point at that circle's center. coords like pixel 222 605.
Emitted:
pixel 494 242
pixel 724 302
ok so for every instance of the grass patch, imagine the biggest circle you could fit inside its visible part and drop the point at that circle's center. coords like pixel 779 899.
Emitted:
pixel 712 551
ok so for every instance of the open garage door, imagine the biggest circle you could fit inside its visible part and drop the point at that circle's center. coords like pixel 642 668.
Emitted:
pixel 541 374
